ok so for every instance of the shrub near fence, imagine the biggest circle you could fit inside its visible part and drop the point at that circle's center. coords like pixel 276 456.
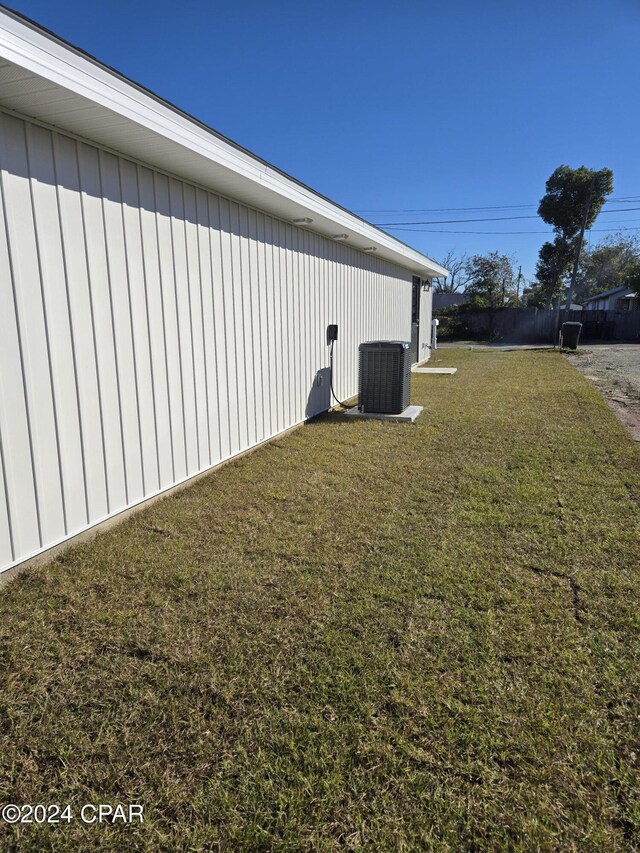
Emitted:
pixel 533 325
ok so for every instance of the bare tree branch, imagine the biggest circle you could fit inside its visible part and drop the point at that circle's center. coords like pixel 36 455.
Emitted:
pixel 458 278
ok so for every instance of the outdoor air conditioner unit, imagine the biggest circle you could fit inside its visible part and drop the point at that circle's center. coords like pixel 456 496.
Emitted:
pixel 385 376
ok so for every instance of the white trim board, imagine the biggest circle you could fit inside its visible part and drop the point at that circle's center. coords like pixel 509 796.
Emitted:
pixel 59 84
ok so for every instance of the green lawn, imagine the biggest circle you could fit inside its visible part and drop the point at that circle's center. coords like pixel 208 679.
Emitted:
pixel 363 636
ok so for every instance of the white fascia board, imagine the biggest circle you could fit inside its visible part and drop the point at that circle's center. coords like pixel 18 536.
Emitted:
pixel 44 55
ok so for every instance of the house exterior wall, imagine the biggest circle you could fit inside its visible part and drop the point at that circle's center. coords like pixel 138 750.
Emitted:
pixel 606 303
pixel 426 313
pixel 597 305
pixel 151 329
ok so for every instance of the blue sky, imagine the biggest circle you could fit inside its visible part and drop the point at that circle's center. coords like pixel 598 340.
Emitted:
pixel 394 106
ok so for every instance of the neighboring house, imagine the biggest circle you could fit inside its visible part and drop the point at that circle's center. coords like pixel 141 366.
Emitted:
pixel 617 299
pixel 629 302
pixel 165 294
pixel 447 300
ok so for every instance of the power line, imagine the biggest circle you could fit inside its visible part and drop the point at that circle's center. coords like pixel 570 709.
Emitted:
pixel 448 209
pixel 620 199
pixel 620 221
pixel 486 219
pixel 489 233
pixel 452 221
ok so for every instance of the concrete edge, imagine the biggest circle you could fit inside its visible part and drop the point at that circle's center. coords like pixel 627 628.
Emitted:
pixel 409 415
pixel 443 371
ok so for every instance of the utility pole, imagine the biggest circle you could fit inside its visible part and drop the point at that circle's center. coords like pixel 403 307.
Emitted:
pixel 518 283
pixel 576 263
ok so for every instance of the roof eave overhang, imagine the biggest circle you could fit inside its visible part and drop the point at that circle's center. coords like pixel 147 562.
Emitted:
pixel 605 294
pixel 98 104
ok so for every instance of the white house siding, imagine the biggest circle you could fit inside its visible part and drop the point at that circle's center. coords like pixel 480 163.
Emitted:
pixel 424 340
pixel 150 329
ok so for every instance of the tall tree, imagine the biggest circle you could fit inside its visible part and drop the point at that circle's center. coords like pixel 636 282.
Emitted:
pixel 573 199
pixel 491 280
pixel 457 278
pixel 554 261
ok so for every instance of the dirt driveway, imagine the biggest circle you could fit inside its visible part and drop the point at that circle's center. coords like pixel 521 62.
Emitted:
pixel 615 369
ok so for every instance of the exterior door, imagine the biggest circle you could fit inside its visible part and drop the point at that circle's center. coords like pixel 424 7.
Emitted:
pixel 415 319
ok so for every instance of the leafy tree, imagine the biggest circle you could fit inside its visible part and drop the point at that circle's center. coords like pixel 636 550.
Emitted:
pixel 569 192
pixel 553 264
pixel 532 297
pixel 613 262
pixel 457 279
pixel 491 280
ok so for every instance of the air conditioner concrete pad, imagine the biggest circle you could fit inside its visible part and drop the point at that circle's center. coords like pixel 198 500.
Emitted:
pixel 448 370
pixel 408 416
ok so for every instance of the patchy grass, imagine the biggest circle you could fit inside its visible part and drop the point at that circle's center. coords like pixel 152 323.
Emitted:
pixel 364 635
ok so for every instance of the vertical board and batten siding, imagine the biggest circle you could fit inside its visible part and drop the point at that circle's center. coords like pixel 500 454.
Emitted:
pixel 426 315
pixel 151 329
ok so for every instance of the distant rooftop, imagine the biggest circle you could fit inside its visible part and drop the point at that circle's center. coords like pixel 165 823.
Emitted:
pixel 608 293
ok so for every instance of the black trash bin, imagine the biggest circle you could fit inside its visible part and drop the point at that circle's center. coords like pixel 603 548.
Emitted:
pixel 571 335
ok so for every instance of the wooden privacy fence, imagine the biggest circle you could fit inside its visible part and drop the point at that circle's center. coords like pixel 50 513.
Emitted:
pixel 536 325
